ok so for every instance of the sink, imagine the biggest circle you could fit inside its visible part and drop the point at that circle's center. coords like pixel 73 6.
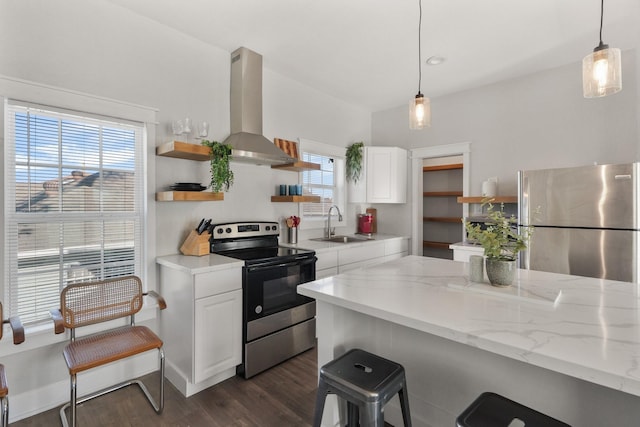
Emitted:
pixel 342 239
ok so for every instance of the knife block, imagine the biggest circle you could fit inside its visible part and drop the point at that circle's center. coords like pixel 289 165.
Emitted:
pixel 196 244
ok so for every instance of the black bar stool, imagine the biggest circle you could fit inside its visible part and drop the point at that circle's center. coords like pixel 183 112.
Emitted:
pixel 493 410
pixel 367 382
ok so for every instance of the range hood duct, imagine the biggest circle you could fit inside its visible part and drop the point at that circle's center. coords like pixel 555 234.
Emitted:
pixel 246 139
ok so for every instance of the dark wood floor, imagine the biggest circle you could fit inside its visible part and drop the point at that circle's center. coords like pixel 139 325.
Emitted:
pixel 281 396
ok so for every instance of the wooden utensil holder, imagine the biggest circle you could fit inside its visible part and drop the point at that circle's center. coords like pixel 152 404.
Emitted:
pixel 196 244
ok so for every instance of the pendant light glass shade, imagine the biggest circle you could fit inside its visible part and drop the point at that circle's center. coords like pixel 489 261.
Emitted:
pixel 419 112
pixel 602 69
pixel 602 72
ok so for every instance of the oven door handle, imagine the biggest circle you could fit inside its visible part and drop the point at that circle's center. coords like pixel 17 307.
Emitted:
pixel 298 261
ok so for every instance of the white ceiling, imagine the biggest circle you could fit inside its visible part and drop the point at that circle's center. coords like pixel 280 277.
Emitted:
pixel 366 51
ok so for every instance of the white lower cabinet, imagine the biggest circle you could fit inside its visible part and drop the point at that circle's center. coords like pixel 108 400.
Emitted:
pixel 220 330
pixel 366 254
pixel 349 257
pixel 395 248
pixel 201 327
pixel 327 264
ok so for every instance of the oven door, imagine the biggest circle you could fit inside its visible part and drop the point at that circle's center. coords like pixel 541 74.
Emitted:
pixel 271 288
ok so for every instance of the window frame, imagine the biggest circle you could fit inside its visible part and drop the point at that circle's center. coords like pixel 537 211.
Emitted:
pixel 87 104
pixel 79 234
pixel 340 192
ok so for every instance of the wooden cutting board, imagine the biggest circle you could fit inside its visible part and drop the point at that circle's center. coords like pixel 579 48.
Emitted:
pixel 289 147
pixel 374 224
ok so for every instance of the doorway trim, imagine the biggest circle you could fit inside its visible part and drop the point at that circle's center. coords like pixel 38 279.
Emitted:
pixel 417 156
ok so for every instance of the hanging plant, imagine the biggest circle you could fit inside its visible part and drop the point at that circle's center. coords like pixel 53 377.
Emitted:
pixel 221 173
pixel 354 161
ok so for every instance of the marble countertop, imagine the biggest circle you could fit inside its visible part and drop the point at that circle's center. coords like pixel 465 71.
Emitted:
pixel 207 263
pixel 199 264
pixel 582 327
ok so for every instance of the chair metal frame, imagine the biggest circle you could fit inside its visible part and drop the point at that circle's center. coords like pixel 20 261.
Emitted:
pixel 88 303
pixel 18 338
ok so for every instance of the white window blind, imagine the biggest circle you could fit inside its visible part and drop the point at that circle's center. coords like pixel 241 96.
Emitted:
pixel 322 183
pixel 73 203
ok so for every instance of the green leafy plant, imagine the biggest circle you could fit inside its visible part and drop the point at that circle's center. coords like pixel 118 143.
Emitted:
pixel 354 161
pixel 221 173
pixel 500 239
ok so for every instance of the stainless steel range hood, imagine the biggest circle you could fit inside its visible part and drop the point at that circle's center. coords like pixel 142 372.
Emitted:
pixel 246 138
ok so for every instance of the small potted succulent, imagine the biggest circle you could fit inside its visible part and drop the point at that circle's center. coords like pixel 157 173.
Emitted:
pixel 501 242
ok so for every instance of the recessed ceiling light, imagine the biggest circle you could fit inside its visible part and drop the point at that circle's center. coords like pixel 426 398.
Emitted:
pixel 435 60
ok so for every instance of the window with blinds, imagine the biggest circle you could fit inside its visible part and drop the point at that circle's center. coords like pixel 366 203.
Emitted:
pixel 320 183
pixel 73 203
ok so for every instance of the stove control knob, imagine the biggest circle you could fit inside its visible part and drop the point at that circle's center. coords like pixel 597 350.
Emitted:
pixel 219 230
pixel 258 309
pixel 274 228
pixel 268 227
pixel 228 230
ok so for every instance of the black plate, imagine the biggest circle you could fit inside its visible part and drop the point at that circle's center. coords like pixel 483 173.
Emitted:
pixel 187 186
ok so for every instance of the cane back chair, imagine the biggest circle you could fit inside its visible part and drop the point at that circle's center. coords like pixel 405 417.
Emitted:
pixel 88 303
pixel 18 338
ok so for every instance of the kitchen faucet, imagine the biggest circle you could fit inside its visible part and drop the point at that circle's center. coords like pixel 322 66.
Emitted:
pixel 328 232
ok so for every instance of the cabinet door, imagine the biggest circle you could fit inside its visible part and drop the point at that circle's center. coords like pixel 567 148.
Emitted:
pixel 386 175
pixel 218 334
pixel 368 253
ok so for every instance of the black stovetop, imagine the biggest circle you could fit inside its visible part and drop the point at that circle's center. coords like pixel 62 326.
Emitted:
pixel 270 253
pixel 254 243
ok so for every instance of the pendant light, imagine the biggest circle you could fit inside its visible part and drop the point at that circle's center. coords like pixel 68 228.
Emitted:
pixel 419 107
pixel 601 70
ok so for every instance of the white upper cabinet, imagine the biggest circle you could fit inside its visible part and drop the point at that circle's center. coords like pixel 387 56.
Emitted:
pixel 383 178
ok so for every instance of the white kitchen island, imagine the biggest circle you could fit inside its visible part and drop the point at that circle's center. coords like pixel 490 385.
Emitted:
pixel 575 356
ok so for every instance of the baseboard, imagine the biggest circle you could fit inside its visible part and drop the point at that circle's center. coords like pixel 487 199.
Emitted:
pixel 180 381
pixel 56 394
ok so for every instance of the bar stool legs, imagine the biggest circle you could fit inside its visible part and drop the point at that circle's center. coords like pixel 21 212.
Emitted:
pixel 404 406
pixel 367 382
pixel 323 390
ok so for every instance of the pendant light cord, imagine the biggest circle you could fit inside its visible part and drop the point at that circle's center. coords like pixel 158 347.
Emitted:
pixel 601 15
pixel 420 50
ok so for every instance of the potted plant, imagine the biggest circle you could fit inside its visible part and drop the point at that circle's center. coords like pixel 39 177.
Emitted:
pixel 221 173
pixel 501 242
pixel 354 161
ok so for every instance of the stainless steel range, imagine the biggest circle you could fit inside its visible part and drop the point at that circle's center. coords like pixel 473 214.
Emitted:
pixel 278 323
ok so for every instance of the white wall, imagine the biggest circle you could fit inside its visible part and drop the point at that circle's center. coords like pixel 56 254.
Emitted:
pixel 101 49
pixel 534 122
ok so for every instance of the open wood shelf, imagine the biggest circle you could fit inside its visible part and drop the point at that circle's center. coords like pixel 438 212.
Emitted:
pixel 296 199
pixel 496 199
pixel 438 245
pixel 184 150
pixel 442 167
pixel 298 166
pixel 442 193
pixel 188 196
pixel 451 219
pixel 291 148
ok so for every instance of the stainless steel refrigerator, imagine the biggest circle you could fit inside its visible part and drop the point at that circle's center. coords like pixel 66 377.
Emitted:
pixel 585 220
